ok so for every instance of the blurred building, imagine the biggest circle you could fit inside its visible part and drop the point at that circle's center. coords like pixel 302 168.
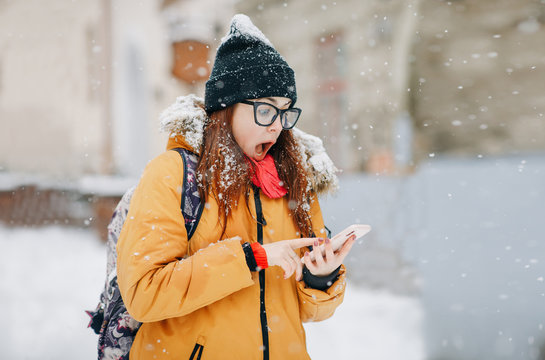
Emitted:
pixel 351 61
pixel 82 84
pixel 384 83
pixel 387 83
pixel 477 77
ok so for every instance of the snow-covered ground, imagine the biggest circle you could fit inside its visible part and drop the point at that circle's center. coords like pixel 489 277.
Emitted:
pixel 48 276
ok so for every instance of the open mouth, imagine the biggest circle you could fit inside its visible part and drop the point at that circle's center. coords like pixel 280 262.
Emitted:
pixel 262 148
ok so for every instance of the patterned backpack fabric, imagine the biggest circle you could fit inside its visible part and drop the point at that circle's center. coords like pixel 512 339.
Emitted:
pixel 110 320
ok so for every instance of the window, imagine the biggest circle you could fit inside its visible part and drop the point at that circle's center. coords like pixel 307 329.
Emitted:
pixel 332 99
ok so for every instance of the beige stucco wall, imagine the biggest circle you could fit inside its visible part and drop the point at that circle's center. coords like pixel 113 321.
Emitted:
pixel 49 117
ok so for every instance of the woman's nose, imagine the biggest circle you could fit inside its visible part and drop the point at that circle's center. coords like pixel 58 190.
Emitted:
pixel 276 126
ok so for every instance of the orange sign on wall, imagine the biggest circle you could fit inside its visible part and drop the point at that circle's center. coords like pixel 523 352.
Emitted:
pixel 190 61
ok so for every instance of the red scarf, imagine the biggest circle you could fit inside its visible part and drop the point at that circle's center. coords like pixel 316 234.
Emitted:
pixel 266 177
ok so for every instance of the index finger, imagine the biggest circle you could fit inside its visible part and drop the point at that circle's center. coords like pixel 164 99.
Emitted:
pixel 299 243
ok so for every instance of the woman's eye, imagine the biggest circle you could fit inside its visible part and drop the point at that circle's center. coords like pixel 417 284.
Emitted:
pixel 263 112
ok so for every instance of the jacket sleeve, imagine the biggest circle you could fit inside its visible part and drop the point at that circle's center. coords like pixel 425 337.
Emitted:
pixel 317 305
pixel 156 278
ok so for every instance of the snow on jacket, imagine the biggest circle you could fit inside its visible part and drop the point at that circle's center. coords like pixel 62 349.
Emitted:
pixel 199 296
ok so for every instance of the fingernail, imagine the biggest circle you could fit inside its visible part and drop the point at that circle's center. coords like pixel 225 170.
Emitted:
pixel 327 241
pixel 307 253
pixel 315 242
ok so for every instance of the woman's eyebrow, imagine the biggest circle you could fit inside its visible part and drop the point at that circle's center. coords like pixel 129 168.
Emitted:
pixel 274 101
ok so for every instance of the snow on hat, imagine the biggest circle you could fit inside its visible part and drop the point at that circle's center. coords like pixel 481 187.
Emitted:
pixel 247 66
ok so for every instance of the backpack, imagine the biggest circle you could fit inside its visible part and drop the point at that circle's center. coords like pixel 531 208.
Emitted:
pixel 110 320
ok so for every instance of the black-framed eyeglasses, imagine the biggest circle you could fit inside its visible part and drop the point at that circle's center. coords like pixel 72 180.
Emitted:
pixel 265 114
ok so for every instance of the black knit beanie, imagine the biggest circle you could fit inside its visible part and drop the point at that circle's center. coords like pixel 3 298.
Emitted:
pixel 247 66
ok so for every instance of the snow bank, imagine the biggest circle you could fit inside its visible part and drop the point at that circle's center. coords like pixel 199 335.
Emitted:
pixel 47 278
pixel 105 185
pixel 370 325
pixel 10 181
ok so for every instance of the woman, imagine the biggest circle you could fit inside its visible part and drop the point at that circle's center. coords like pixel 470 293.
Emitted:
pixel 238 289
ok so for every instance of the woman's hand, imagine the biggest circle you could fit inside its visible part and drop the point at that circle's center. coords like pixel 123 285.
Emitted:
pixel 326 261
pixel 281 253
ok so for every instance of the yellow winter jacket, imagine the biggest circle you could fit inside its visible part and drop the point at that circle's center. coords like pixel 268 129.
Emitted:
pixel 198 298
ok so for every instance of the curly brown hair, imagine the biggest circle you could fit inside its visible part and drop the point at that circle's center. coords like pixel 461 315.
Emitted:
pixel 225 172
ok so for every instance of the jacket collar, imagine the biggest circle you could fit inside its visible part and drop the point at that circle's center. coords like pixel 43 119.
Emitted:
pixel 185 120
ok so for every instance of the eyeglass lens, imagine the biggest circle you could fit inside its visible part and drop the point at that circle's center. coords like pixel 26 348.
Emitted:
pixel 265 115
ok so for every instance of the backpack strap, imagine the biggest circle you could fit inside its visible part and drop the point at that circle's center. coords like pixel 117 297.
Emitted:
pixel 191 209
pixel 191 205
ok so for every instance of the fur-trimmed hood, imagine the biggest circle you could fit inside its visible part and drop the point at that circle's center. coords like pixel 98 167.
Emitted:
pixel 185 120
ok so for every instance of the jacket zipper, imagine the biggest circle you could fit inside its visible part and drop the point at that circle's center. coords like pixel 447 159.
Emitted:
pixel 199 348
pixel 263 312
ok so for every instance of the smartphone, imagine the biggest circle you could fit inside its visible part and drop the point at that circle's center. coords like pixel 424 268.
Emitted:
pixel 337 241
